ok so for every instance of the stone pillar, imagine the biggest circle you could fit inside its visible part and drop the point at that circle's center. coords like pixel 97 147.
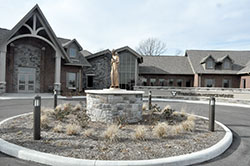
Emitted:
pixel 57 84
pixel 3 69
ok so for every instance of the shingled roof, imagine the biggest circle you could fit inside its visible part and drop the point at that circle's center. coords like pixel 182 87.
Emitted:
pixel 165 65
pixel 239 58
pixel 3 34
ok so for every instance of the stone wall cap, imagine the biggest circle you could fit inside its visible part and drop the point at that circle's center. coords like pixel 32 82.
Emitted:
pixel 113 91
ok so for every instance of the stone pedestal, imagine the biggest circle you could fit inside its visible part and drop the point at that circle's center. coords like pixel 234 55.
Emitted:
pixel 114 105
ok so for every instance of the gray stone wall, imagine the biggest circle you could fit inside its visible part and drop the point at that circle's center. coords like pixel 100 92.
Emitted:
pixel 27 56
pixel 101 70
pixel 111 108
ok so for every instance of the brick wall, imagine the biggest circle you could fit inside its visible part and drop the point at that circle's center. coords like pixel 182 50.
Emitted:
pixel 235 80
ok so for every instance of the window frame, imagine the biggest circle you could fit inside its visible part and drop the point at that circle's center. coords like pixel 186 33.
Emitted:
pixel 210 61
pixel 206 82
pixel 68 83
pixel 71 51
pixel 229 65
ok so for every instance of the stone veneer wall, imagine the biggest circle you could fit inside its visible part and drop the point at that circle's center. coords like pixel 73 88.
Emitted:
pixel 110 108
pixel 100 68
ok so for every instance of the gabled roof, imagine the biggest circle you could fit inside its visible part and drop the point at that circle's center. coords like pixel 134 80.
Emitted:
pixel 165 65
pixel 49 30
pixel 127 48
pixel 70 42
pixel 3 34
pixel 205 59
pixel 97 54
pixel 240 59
pixel 223 58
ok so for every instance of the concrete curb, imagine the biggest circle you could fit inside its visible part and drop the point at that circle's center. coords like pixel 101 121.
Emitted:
pixel 50 159
pixel 43 97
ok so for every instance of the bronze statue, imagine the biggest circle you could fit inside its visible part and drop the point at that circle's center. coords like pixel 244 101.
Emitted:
pixel 114 70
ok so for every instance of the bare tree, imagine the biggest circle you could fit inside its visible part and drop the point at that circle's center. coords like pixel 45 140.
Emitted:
pixel 151 46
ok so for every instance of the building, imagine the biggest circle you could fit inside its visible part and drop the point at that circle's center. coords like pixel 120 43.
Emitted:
pixel 198 68
pixel 34 60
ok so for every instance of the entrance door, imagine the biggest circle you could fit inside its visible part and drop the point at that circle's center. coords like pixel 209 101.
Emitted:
pixel 26 80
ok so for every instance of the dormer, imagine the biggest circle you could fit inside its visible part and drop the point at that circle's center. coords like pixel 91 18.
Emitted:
pixel 73 49
pixel 208 62
pixel 226 62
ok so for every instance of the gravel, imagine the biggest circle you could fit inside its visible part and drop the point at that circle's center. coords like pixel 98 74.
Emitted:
pixel 95 146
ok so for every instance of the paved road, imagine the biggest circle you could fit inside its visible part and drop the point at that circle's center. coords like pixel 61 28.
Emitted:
pixel 236 118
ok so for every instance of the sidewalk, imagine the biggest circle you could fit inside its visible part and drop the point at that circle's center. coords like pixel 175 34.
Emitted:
pixel 25 96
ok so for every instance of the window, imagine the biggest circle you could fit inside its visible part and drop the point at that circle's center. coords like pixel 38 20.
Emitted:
pixel 152 81
pixel 244 83
pixel 179 83
pixel 162 82
pixel 209 82
pixel 72 52
pixel 90 81
pixel 226 64
pixel 226 83
pixel 188 83
pixel 210 64
pixel 171 82
pixel 71 80
pixel 144 81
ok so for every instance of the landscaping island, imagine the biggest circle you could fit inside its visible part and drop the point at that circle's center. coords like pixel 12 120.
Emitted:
pixel 67 131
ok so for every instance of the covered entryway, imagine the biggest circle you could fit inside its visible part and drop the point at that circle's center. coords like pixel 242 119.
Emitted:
pixel 26 79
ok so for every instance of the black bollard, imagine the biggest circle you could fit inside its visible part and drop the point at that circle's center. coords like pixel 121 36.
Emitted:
pixel 149 100
pixel 55 98
pixel 36 117
pixel 211 113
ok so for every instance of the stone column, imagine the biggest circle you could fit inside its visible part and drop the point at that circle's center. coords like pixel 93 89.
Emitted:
pixel 57 84
pixel 3 69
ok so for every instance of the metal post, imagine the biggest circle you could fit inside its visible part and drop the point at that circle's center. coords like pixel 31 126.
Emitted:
pixel 211 113
pixel 55 98
pixel 36 117
pixel 149 100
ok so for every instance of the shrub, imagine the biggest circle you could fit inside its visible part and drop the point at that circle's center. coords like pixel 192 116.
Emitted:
pixel 58 128
pixel 88 132
pixel 83 119
pixel 160 129
pixel 47 111
pixel 62 110
pixel 72 129
pixel 144 107
pixel 111 132
pixel 191 117
pixel 167 111
pixel 77 107
pixel 176 129
pixel 140 133
pixel 44 121
pixel 188 125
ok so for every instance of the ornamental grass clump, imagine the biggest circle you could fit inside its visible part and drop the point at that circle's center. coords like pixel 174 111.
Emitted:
pixel 188 125
pixel 62 110
pixel 73 129
pixel 160 129
pixel 111 133
pixel 44 121
pixel 176 129
pixel 140 132
pixel 88 132
pixel 58 128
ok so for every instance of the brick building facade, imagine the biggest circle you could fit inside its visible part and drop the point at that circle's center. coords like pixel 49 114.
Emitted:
pixel 34 60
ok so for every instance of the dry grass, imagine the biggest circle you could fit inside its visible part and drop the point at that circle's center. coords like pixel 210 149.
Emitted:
pixel 44 121
pixel 111 132
pixel 140 132
pixel 77 107
pixel 176 129
pixel 58 129
pixel 88 132
pixel 160 129
pixel 73 129
pixel 188 125
pixel 144 107
pixel 47 111
pixel 191 117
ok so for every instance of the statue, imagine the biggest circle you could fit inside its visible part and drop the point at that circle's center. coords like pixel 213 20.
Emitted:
pixel 114 70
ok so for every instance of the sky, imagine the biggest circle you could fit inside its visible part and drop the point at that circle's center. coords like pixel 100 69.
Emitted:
pixel 108 24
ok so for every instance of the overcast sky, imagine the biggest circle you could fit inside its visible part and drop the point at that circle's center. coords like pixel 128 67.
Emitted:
pixel 108 24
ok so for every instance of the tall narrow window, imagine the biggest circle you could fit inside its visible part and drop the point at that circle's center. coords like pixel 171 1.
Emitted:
pixel 71 80
pixel 226 64
pixel 226 83
pixel 210 64
pixel 171 82
pixel 90 79
pixel 162 82
pixel 244 83
pixel 72 52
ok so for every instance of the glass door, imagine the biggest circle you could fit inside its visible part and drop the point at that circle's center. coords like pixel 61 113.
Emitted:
pixel 26 80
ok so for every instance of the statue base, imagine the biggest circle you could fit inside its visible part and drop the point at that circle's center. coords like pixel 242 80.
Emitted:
pixel 114 105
